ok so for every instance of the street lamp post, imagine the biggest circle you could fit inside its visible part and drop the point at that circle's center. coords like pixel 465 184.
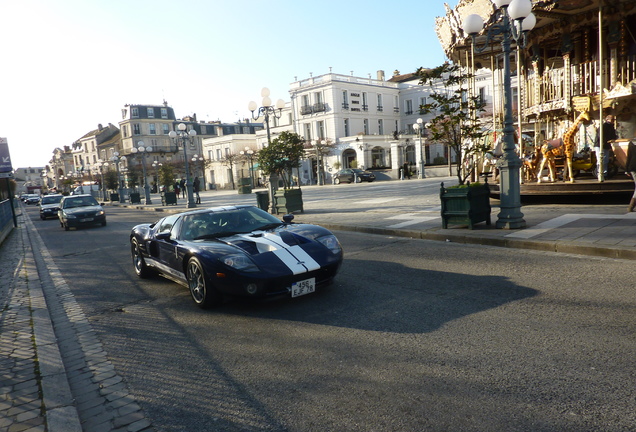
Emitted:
pixel 266 110
pixel 185 137
pixel 102 165
pixel 117 159
pixel 516 21
pixel 418 130
pixel 142 151
pixel 249 154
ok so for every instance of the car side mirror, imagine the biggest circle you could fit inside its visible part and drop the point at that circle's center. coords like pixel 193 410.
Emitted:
pixel 288 218
pixel 163 236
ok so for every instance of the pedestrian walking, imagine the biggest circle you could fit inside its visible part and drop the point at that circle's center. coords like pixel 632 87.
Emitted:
pixel 609 134
pixel 182 187
pixel 630 167
pixel 195 189
pixel 176 189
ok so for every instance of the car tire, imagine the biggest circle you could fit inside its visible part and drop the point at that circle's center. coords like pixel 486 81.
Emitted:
pixel 203 294
pixel 104 223
pixel 139 264
pixel 66 227
pixel 358 179
pixel 336 180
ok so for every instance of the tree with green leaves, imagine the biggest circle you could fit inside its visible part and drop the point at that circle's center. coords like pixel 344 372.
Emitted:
pixel 282 155
pixel 166 176
pixel 456 111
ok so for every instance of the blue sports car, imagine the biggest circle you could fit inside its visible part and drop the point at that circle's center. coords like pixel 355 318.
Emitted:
pixel 238 250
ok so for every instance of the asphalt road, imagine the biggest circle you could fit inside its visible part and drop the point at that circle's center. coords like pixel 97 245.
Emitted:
pixel 414 335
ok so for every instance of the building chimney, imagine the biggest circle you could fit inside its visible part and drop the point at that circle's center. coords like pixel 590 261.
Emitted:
pixel 380 75
pixel 100 127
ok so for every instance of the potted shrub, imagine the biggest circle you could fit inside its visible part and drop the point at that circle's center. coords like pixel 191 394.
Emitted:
pixel 167 179
pixel 112 183
pixel 133 182
pixel 278 160
pixel 466 204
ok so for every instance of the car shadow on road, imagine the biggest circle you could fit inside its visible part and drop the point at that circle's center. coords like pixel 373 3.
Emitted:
pixel 429 301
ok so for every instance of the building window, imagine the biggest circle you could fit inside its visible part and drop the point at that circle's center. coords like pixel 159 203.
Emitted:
pixel 151 112
pixel 396 104
pixel 219 156
pixel 321 129
pixel 204 130
pixel 365 124
pixel 210 155
pixel 152 129
pixel 307 127
pixel 365 102
pixel 346 127
pixel 380 107
pixel 422 102
pixel 380 127
pixel 136 129
pixel 165 128
pixel 124 130
pixel 345 100
pixel 134 112
pixel 482 95
pixel 164 113
pixel 409 107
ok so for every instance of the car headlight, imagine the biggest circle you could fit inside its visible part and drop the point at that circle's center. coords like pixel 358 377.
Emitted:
pixel 331 243
pixel 101 212
pixel 70 216
pixel 239 262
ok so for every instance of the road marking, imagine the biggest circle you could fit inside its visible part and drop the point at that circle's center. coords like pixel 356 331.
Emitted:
pixel 411 219
pixel 557 222
pixel 378 200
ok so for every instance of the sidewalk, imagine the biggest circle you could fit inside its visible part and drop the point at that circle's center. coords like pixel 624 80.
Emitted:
pixel 35 385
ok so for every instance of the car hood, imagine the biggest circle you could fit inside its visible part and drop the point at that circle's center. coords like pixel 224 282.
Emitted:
pixel 49 206
pixel 294 248
pixel 81 210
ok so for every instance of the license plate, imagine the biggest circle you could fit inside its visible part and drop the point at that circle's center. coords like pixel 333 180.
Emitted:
pixel 86 220
pixel 303 287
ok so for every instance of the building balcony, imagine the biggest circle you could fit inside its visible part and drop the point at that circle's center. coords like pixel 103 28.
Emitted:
pixel 305 110
pixel 319 107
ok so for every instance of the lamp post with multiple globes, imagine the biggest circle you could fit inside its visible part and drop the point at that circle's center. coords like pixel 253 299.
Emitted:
pixel 185 138
pixel 142 150
pixel 418 127
pixel 516 21
pixel 116 158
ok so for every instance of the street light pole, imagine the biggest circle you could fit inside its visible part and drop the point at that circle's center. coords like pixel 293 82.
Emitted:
pixel 516 21
pixel 266 110
pixel 185 137
pixel 143 150
pixel 418 130
pixel 116 159
pixel 249 153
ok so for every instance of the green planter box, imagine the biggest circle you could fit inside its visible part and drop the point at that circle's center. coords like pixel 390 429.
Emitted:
pixel 288 201
pixel 114 197
pixel 135 198
pixel 262 200
pixel 168 198
pixel 467 205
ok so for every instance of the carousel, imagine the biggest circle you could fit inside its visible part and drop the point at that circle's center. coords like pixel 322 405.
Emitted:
pixel 575 71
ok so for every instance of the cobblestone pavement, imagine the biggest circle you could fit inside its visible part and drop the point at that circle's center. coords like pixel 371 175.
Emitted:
pixel 55 375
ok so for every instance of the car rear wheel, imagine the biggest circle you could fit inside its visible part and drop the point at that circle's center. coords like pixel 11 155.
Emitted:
pixel 202 293
pixel 336 180
pixel 141 269
pixel 65 225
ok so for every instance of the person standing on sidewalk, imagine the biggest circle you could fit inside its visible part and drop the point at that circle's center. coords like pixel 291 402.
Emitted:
pixel 195 189
pixel 182 187
pixel 609 134
pixel 630 167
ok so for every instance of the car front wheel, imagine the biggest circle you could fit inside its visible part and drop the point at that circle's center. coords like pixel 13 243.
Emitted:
pixel 336 180
pixel 202 293
pixel 141 269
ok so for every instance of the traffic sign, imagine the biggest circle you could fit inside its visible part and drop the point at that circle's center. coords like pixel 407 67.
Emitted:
pixel 5 157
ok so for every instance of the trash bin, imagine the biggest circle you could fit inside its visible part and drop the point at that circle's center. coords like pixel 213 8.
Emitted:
pixel 245 186
pixel 262 200
pixel 135 198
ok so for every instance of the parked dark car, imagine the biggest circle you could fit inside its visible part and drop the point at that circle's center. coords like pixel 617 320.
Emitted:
pixel 80 210
pixel 349 175
pixel 239 250
pixel 32 199
pixel 49 205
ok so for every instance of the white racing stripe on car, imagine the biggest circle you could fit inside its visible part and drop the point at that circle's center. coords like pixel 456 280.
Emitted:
pixel 294 257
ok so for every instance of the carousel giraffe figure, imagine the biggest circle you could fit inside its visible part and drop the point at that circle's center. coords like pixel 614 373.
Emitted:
pixel 559 147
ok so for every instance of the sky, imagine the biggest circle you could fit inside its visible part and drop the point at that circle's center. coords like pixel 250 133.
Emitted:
pixel 69 65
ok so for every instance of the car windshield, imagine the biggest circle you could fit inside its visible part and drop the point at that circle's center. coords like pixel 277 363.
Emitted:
pixel 51 199
pixel 80 202
pixel 212 224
